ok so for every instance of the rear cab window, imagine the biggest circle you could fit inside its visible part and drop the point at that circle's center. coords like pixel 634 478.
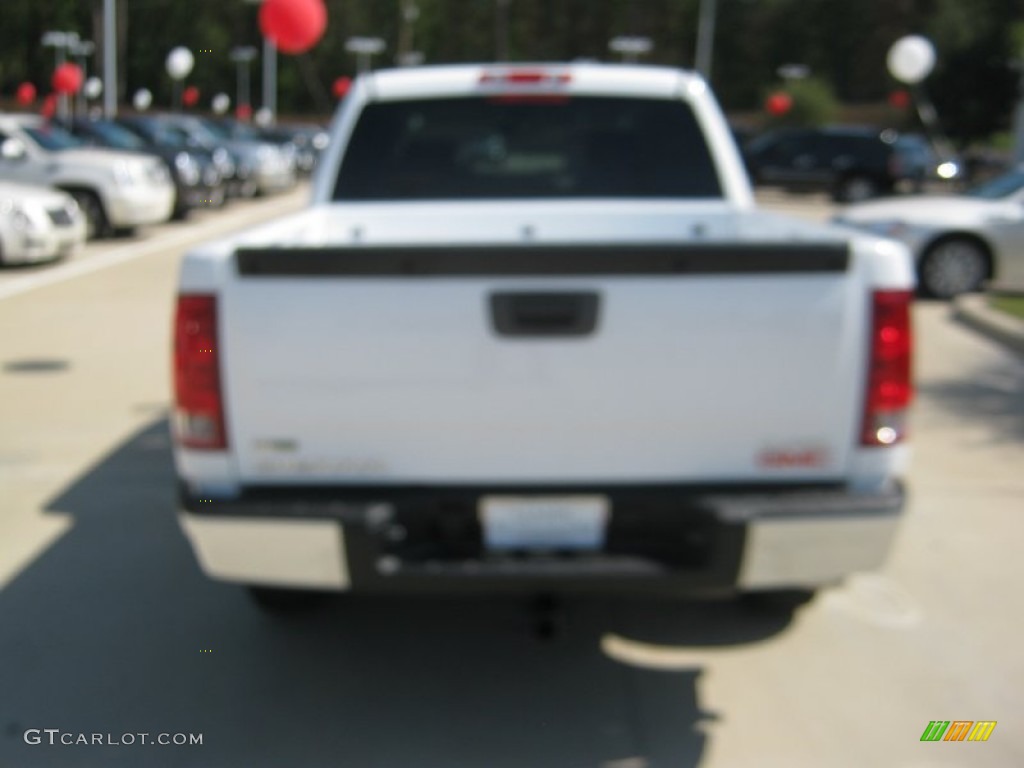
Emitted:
pixel 476 147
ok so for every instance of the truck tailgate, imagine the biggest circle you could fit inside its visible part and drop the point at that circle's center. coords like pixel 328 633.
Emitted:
pixel 662 360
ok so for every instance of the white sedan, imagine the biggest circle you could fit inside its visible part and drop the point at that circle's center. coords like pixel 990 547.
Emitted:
pixel 38 224
pixel 959 242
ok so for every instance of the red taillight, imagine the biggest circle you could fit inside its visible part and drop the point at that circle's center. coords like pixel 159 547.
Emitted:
pixel 529 77
pixel 889 387
pixel 526 86
pixel 199 411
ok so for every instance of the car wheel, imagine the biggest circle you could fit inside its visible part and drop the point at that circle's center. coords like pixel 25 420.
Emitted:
pixel 953 266
pixel 282 602
pixel 776 600
pixel 853 189
pixel 181 209
pixel 96 224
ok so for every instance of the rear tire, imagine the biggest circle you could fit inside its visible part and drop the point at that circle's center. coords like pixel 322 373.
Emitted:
pixel 952 266
pixel 278 601
pixel 776 600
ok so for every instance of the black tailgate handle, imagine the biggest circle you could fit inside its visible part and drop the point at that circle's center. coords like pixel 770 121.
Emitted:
pixel 544 314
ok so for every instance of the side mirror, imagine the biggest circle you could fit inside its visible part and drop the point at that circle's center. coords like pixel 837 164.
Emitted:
pixel 12 149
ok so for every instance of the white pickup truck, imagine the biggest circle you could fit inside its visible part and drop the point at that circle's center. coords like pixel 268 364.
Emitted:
pixel 532 333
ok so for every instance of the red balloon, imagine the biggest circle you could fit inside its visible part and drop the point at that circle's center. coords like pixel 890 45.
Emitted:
pixel 294 26
pixel 341 86
pixel 67 78
pixel 25 94
pixel 49 108
pixel 899 99
pixel 190 96
pixel 779 103
pixel 243 112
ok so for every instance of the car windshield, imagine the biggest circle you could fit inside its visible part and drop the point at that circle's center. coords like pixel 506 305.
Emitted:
pixel 52 137
pixel 999 187
pixel 203 132
pixel 115 135
pixel 161 134
pixel 172 136
pixel 243 131
pixel 493 148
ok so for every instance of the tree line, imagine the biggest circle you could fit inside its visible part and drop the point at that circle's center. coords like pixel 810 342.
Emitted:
pixel 843 43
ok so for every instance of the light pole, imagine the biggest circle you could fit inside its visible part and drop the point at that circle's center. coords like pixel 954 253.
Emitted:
pixel 109 59
pixel 501 30
pixel 81 51
pixel 243 56
pixel 631 48
pixel 365 48
pixel 706 37
pixel 61 42
pixel 1018 113
pixel 406 56
pixel 269 100
pixel 270 77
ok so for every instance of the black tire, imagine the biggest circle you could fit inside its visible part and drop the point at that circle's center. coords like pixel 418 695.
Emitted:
pixel 180 212
pixel 96 223
pixel 278 601
pixel 855 188
pixel 776 600
pixel 952 266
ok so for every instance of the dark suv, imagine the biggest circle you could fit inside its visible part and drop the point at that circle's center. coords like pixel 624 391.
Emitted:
pixel 850 163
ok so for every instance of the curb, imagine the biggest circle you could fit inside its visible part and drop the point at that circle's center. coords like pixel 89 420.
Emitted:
pixel 974 312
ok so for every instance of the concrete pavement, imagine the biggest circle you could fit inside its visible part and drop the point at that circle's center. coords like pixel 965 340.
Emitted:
pixel 107 626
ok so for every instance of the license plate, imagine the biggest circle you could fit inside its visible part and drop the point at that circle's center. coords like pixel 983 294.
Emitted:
pixel 544 522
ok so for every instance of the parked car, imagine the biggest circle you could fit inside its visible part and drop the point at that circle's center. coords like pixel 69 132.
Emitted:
pixel 925 164
pixel 850 163
pixel 197 182
pixel 234 171
pixel 309 140
pixel 237 130
pixel 117 191
pixel 38 224
pixel 271 169
pixel 958 241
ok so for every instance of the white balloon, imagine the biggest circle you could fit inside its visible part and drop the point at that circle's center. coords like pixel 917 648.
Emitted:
pixel 263 117
pixel 93 87
pixel 142 99
pixel 220 103
pixel 911 59
pixel 180 62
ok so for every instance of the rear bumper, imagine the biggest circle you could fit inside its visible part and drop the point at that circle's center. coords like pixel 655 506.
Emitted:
pixel 658 540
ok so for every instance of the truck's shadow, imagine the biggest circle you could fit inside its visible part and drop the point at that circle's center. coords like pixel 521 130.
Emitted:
pixel 113 630
pixel 991 396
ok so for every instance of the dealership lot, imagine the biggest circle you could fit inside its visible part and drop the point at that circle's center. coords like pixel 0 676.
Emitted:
pixel 107 626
